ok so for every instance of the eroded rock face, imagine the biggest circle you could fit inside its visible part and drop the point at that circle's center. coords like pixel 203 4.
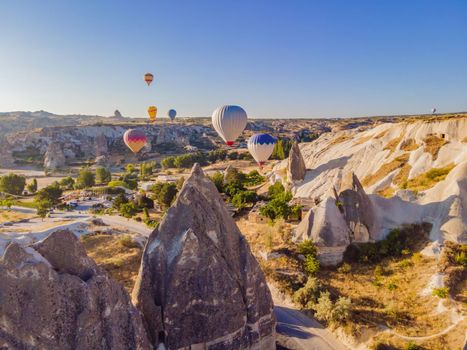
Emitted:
pixel 296 168
pixel 199 285
pixel 356 207
pixel 53 296
pixel 54 157
pixel 343 217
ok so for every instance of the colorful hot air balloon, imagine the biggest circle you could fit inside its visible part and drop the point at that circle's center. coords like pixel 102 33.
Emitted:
pixel 152 111
pixel 171 114
pixel 229 122
pixel 148 77
pixel 261 147
pixel 135 139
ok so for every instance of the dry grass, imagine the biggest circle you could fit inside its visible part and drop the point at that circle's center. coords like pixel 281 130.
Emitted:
pixel 6 215
pixel 385 169
pixel 117 254
pixel 409 145
pixel 362 140
pixel 401 178
pixel 340 139
pixel 392 145
pixel 427 180
pixel 453 340
pixel 433 144
pixel 392 299
pixel 381 134
pixel 386 192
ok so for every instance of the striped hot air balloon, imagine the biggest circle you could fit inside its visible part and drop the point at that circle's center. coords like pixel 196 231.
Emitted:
pixel 135 139
pixel 229 122
pixel 172 114
pixel 152 112
pixel 148 78
pixel 261 147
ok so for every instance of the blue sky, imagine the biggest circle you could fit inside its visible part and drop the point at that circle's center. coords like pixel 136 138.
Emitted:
pixel 276 58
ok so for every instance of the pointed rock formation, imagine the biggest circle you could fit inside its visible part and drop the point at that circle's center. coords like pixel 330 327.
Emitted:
pixel 296 168
pixel 54 157
pixel 53 296
pixel 356 207
pixel 340 219
pixel 199 286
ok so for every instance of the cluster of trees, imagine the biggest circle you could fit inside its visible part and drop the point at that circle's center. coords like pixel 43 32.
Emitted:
pixel 398 242
pixel 129 208
pixel 278 204
pixel 188 160
pixel 164 193
pixel 235 184
pixel 281 149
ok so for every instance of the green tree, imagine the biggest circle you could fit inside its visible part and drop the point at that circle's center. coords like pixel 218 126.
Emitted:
pixel 128 210
pixel 168 162
pixel 12 184
pixel 67 183
pixel 118 201
pixel 145 170
pixel 218 179
pixel 103 176
pixel 311 265
pixel 49 195
pixel 130 168
pixel 85 178
pixel 167 194
pixel 32 187
pixel 242 199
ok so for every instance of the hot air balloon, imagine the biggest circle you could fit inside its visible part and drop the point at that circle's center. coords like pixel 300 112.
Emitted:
pixel 135 139
pixel 148 77
pixel 261 147
pixel 433 110
pixel 229 122
pixel 152 111
pixel 171 114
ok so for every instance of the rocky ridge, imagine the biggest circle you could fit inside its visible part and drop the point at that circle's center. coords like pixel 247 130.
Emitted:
pixel 53 296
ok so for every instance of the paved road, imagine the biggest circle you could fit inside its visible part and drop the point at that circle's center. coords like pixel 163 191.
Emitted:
pixel 307 333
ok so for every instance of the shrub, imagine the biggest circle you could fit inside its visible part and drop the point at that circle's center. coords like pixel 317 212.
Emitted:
pixel 242 199
pixel 308 294
pixel 330 312
pixel 307 247
pixel 442 292
pixel 85 178
pixel 12 184
pixel 118 201
pixel 127 242
pixel 345 268
pixel 67 183
pixel 218 179
pixel 103 176
pixel 128 210
pixel 311 265
pixel 168 162
pixel 32 187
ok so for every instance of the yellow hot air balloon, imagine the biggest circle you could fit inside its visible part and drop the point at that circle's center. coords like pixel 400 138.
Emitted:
pixel 152 111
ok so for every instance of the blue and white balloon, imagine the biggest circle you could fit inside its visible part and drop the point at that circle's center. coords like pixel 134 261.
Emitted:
pixel 261 147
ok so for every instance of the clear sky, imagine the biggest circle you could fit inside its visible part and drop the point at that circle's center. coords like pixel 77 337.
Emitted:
pixel 276 58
